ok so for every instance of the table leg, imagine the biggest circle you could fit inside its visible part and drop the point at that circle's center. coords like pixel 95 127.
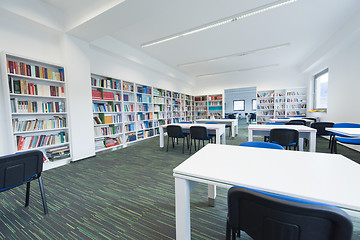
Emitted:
pixel 211 195
pixel 182 208
pixel 161 136
pixel 250 135
pixel 217 136
pixel 237 129
pixel 312 142
pixel 233 129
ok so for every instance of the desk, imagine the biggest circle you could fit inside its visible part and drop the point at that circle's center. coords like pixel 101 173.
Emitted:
pixel 304 132
pixel 218 129
pixel 321 177
pixel 285 120
pixel 233 123
pixel 351 132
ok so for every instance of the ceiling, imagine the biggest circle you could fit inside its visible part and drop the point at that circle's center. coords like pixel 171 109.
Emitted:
pixel 303 26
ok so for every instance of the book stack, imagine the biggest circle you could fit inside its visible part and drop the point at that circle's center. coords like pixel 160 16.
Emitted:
pixel 21 68
pixel 108 96
pixel 96 94
pixel 58 153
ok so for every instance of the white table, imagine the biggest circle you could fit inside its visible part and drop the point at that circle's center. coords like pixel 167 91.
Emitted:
pixel 321 177
pixel 218 129
pixel 304 132
pixel 233 123
pixel 351 132
pixel 285 120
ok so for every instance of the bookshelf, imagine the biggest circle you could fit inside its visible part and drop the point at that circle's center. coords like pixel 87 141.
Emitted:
pixel 160 111
pixel 107 112
pixel 144 112
pixel 36 103
pixel 215 106
pixel 280 103
pixel 296 102
pixel 201 107
pixel 129 111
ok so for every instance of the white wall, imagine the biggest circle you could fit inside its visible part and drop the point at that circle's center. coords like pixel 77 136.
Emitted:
pixel 274 78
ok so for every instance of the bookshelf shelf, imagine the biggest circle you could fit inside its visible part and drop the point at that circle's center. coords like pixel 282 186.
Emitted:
pixel 36 101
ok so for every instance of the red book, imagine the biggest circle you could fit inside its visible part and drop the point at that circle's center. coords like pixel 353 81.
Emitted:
pixel 95 94
pixel 20 142
pixel 108 96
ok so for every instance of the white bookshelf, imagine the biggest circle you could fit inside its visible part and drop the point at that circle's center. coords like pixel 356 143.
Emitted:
pixel 35 110
pixel 296 102
pixel 265 106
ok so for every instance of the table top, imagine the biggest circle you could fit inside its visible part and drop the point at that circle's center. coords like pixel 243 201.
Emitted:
pixel 322 177
pixel 300 128
pixel 188 125
pixel 351 132
pixel 284 120
pixel 217 120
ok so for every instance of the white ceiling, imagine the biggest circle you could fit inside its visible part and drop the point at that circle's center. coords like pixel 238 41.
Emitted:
pixel 305 24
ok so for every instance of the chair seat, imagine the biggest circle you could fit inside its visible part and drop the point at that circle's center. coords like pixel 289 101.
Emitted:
pixel 348 140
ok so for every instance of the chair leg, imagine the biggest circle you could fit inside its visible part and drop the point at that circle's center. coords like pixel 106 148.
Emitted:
pixel 43 195
pixel 228 231
pixel 183 144
pixel 173 142
pixel 330 141
pixel 27 197
pixel 167 147
pixel 190 146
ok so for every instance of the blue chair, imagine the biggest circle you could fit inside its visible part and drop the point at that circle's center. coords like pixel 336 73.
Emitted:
pixel 285 137
pixel 346 140
pixel 265 215
pixel 283 118
pixel 185 122
pixel 262 145
pixel 321 128
pixel 333 139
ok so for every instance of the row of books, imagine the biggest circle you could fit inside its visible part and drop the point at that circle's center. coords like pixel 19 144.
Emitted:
pixel 144 89
pixel 36 106
pixel 130 137
pixel 142 108
pixel 129 127
pixel 113 119
pixel 103 107
pixel 103 131
pixel 128 98
pixel 106 83
pixel 129 118
pixel 128 107
pixel 159 115
pixel 158 92
pixel 25 87
pixel 111 142
pixel 21 68
pixel 200 98
pixel 38 124
pixel 159 100
pixel 144 116
pixel 294 106
pixel 265 94
pixel 266 101
pixel 142 99
pixel 295 100
pixel 58 153
pixel 215 98
pixel 128 87
pixel 219 103
pixel 103 95
pixel 28 142
pixel 158 108
pixel 145 125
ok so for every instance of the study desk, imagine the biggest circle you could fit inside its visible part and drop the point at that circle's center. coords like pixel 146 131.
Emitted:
pixel 285 120
pixel 351 132
pixel 321 177
pixel 233 123
pixel 304 132
pixel 218 129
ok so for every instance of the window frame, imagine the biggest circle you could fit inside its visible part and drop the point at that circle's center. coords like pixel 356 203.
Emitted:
pixel 316 77
pixel 243 105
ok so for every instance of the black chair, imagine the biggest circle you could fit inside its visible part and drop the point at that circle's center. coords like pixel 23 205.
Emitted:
pixel 252 117
pixel 285 137
pixel 198 133
pixel 310 118
pixel 17 169
pixel 266 216
pixel 176 132
pixel 296 122
pixel 320 127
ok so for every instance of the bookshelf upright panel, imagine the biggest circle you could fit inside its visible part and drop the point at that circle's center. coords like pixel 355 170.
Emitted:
pixel 37 106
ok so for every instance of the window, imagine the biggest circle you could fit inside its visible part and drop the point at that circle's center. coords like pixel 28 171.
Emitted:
pixel 239 105
pixel 321 89
pixel 254 104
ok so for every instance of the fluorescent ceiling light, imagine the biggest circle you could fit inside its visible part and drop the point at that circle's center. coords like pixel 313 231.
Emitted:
pixel 222 21
pixel 236 54
pixel 238 70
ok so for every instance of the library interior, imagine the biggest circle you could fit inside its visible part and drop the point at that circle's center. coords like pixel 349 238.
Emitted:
pixel 249 132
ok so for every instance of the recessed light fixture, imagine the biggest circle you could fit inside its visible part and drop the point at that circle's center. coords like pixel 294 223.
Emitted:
pixel 238 70
pixel 236 54
pixel 220 22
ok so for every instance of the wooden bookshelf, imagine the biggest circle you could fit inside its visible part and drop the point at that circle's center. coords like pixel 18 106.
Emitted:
pixel 35 109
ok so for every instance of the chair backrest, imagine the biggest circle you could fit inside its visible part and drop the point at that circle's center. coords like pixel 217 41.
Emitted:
pixel 275 123
pixel 211 123
pixel 273 217
pixel 253 116
pixel 232 116
pixel 309 118
pixel 284 136
pixel 198 132
pixel 296 122
pixel 174 131
pixel 185 122
pixel 262 145
pixel 346 125
pixel 16 169
pixel 283 118
pixel 320 127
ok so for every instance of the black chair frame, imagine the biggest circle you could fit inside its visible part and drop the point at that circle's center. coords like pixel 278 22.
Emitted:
pixel 199 133
pixel 21 168
pixel 176 132
pixel 284 137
